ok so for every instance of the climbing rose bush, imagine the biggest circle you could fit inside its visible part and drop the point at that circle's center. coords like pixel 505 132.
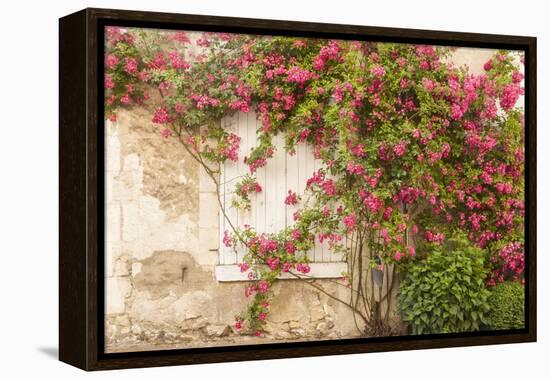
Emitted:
pixel 414 149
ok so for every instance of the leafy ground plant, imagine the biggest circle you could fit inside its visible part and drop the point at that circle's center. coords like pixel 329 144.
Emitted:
pixel 446 292
pixel 507 306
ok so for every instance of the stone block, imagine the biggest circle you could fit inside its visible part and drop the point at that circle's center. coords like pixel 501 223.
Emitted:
pixel 149 211
pixel 121 267
pixel 294 324
pixel 109 184
pixel 113 155
pixel 282 335
pixel 113 221
pixel 116 190
pixel 130 221
pixel 194 323
pixel 131 163
pixel 117 290
pixel 218 330
pixel 113 250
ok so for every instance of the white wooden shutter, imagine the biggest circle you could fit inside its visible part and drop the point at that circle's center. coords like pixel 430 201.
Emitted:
pixel 268 211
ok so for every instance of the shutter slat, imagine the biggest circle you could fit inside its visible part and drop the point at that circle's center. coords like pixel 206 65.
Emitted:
pixel 231 173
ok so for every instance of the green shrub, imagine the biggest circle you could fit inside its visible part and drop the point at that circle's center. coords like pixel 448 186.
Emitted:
pixel 507 306
pixel 445 292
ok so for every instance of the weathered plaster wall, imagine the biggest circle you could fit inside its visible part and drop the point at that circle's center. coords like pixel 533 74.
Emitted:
pixel 162 241
pixel 474 58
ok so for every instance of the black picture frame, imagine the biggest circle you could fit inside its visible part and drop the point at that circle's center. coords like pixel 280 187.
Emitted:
pixel 81 189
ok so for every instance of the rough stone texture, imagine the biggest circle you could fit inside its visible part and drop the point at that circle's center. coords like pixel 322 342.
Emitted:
pixel 161 248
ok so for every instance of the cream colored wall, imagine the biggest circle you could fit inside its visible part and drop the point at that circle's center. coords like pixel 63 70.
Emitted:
pixel 473 58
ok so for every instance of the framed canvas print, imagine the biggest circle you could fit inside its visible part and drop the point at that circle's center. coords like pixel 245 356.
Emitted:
pixel 238 189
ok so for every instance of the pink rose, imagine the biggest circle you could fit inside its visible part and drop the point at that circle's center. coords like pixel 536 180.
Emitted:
pixel 378 71
pixel 166 133
pixel 244 267
pixel 290 247
pixel 131 65
pixel 350 221
pixel 263 286
pixel 111 61
pixel 227 240
pixel 291 198
pixel 108 82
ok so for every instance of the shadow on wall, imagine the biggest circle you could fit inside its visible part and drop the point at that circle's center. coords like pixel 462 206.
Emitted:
pixel 49 351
